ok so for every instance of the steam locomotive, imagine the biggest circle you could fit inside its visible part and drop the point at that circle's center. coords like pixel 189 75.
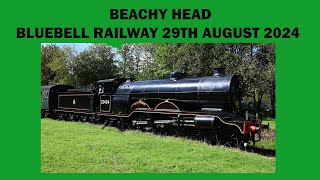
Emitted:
pixel 206 106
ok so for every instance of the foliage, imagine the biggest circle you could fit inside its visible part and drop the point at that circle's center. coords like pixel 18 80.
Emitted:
pixel 93 64
pixel 80 147
pixel 137 61
pixel 54 65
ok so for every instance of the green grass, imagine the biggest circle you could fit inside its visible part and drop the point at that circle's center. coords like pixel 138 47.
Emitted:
pixel 266 144
pixel 83 147
pixel 268 140
pixel 272 123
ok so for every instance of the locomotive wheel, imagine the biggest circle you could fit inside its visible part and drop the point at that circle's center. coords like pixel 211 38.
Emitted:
pixel 228 136
pixel 61 116
pixel 143 121
pixel 126 123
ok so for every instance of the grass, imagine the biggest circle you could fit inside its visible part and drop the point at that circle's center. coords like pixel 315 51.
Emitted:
pixel 83 147
pixel 266 144
pixel 268 140
pixel 272 123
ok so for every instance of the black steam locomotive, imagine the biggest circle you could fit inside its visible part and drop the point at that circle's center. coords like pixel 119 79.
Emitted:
pixel 206 106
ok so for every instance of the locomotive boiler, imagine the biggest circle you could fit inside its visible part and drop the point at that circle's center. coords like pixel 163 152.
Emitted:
pixel 218 93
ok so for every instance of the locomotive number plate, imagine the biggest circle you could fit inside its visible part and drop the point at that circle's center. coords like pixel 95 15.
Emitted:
pixel 105 103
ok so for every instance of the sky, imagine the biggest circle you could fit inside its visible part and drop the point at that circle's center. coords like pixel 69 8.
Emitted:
pixel 78 46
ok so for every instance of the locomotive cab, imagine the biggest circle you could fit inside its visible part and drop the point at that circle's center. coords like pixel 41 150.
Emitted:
pixel 106 90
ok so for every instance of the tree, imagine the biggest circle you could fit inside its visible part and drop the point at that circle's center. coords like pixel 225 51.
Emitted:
pixel 54 65
pixel 165 59
pixel 266 56
pixel 136 60
pixel 147 65
pixel 128 63
pixel 93 64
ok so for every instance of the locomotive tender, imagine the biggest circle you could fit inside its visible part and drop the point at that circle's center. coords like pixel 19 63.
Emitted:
pixel 209 106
